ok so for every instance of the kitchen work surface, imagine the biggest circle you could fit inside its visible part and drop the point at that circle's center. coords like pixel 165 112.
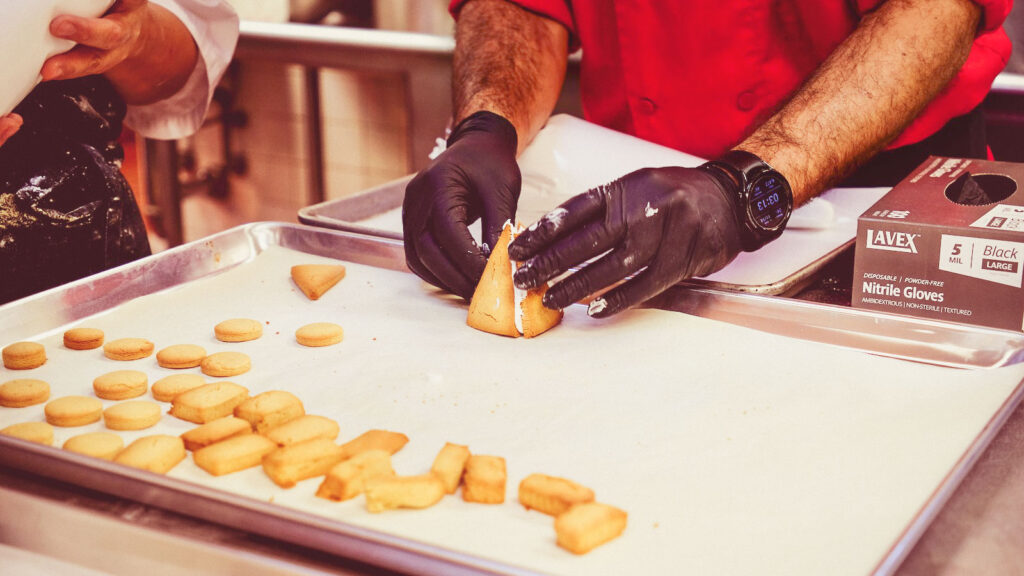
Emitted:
pixel 734 451
pixel 570 156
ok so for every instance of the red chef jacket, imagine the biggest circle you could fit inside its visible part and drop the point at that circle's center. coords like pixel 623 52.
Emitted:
pixel 700 75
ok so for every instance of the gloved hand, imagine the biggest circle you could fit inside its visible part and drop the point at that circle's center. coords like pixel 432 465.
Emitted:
pixel 476 177
pixel 668 224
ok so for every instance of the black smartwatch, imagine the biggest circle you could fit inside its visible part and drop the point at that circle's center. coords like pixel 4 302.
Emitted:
pixel 764 199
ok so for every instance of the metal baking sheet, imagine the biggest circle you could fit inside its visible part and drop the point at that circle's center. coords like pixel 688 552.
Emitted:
pixel 681 412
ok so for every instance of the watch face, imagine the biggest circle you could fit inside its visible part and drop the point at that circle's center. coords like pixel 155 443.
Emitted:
pixel 769 201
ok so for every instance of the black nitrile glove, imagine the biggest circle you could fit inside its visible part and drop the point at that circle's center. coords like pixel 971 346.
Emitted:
pixel 475 177
pixel 665 224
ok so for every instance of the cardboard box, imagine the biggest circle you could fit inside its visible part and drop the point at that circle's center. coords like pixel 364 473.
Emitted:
pixel 946 243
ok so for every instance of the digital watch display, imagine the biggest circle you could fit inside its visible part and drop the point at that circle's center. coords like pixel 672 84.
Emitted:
pixel 764 199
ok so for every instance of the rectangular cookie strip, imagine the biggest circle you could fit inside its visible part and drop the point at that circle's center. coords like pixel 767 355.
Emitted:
pixel 158 453
pixel 348 478
pixel 208 402
pixel 215 431
pixel 270 409
pixel 449 465
pixel 403 492
pixel 304 428
pixel 587 526
pixel 291 464
pixel 374 440
pixel 552 495
pixel 484 480
pixel 233 454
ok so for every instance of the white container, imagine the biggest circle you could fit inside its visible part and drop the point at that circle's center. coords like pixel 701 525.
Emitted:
pixel 26 42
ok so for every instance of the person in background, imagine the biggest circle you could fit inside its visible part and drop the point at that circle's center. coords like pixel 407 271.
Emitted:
pixel 787 99
pixel 66 211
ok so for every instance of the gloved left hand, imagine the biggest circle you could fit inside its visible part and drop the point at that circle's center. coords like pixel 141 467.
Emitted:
pixel 662 224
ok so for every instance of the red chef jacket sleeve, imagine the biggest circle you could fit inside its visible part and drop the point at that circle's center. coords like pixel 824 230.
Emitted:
pixel 558 10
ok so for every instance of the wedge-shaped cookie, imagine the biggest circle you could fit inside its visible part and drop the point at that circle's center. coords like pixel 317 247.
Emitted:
pixel 498 307
pixel 304 428
pixel 484 480
pixel 233 454
pixel 586 526
pixel 270 409
pixel 158 453
pixel 449 465
pixel 291 464
pixel 374 440
pixel 316 279
pixel 552 495
pixel 403 492
pixel 347 479
pixel 215 431
pixel 208 402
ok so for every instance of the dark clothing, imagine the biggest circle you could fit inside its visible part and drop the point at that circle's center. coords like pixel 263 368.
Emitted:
pixel 66 211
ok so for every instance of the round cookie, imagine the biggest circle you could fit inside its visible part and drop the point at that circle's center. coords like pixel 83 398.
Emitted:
pixel 128 349
pixel 23 392
pixel 24 355
pixel 39 432
pixel 121 384
pixel 319 334
pixel 105 445
pixel 238 330
pixel 83 338
pixel 166 388
pixel 73 411
pixel 137 415
pixel 181 356
pixel 223 364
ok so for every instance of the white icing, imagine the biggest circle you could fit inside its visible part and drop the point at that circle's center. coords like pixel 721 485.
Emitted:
pixel 648 211
pixel 596 306
pixel 518 294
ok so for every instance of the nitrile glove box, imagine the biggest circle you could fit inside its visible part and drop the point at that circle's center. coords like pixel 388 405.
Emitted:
pixel 946 243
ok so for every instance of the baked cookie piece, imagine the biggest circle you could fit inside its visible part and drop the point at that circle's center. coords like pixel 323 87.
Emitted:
pixel 586 526
pixel 158 453
pixel 390 442
pixel 121 385
pixel 38 432
pixel 225 364
pixel 83 338
pixel 291 464
pixel 316 279
pixel 449 465
pixel 23 355
pixel 126 349
pixel 23 392
pixel 390 493
pixel 136 415
pixel 73 411
pixel 304 428
pixel 167 388
pixel 208 402
pixel 552 495
pixel 238 330
pixel 233 454
pixel 319 334
pixel 215 431
pixel 180 356
pixel 269 409
pixel 484 480
pixel 348 479
pixel 105 445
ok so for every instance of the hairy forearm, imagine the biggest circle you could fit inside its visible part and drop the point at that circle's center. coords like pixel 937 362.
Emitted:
pixel 166 56
pixel 508 61
pixel 863 96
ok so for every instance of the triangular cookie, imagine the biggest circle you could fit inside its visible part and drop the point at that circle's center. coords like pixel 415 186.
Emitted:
pixel 493 307
pixel 316 279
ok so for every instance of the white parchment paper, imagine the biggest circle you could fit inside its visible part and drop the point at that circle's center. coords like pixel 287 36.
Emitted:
pixel 733 451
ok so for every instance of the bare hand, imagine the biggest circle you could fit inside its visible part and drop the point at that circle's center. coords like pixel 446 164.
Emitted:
pixel 9 126
pixel 102 43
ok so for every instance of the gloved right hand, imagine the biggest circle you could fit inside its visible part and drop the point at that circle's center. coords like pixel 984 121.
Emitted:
pixel 476 177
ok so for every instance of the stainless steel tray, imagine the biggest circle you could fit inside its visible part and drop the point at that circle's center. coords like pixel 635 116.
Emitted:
pixel 923 341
